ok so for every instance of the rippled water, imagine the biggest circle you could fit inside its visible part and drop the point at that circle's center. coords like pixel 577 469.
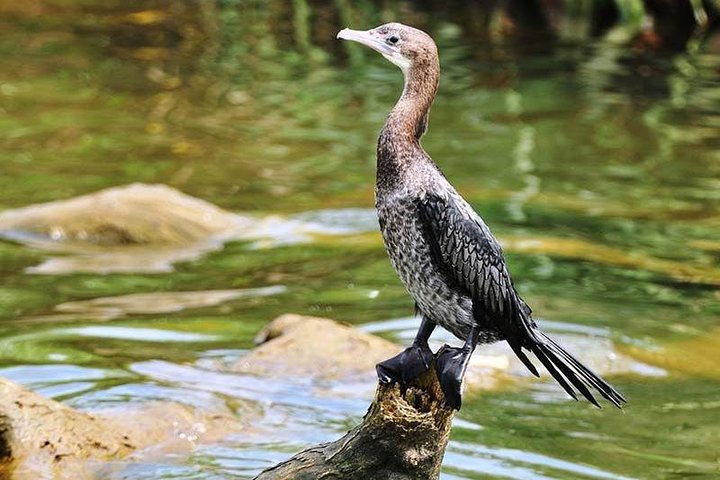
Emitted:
pixel 595 163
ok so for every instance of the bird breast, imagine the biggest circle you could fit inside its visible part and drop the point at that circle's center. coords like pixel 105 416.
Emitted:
pixel 411 257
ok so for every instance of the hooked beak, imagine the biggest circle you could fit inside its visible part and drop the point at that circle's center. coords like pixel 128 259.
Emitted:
pixel 369 39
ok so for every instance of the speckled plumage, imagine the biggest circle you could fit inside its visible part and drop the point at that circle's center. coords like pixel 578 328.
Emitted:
pixel 442 250
pixel 402 212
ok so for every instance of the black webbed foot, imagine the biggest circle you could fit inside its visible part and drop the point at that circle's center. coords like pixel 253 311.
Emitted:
pixel 450 364
pixel 405 366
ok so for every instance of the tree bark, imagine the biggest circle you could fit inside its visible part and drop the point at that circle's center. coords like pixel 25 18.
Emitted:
pixel 403 436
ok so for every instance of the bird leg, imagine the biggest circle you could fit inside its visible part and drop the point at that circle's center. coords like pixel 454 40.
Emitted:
pixel 451 364
pixel 411 362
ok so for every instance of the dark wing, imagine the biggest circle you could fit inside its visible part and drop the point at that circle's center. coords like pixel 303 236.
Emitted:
pixel 463 246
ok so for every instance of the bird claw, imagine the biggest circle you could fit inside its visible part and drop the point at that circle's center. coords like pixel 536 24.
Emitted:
pixel 451 364
pixel 405 366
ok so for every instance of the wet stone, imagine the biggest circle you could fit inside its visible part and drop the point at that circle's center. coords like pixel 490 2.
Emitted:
pixel 41 438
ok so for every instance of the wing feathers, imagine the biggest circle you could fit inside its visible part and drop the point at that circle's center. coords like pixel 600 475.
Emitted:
pixel 463 247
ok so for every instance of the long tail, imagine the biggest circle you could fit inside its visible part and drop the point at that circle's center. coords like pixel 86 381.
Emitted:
pixel 569 372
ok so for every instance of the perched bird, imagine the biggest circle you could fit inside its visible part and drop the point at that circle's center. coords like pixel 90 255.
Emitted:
pixel 443 252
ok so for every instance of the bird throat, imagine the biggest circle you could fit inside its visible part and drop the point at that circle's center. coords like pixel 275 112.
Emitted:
pixel 399 141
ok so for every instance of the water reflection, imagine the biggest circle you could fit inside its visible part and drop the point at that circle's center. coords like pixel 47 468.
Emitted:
pixel 508 463
pixel 107 308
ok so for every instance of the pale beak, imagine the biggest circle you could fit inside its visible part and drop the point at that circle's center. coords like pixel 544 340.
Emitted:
pixel 369 39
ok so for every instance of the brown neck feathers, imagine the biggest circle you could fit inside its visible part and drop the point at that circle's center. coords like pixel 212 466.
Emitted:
pixel 409 116
pixel 399 139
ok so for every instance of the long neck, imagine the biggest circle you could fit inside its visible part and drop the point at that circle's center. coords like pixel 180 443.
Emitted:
pixel 407 121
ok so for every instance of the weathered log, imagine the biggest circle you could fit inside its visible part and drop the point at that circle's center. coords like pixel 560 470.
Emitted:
pixel 403 436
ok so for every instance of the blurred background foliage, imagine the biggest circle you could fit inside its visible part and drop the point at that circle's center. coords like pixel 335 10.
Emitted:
pixel 269 71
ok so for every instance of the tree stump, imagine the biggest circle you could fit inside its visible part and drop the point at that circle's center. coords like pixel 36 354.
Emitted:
pixel 403 436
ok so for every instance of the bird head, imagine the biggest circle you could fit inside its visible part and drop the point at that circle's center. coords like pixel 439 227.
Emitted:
pixel 405 46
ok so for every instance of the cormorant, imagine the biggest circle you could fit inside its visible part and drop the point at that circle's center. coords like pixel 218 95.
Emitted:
pixel 444 253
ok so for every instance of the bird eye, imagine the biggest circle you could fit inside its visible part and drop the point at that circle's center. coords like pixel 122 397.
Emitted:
pixel 393 39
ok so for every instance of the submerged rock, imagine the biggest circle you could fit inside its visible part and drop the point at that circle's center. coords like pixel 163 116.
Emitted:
pixel 323 349
pixel 39 434
pixel 318 348
pixel 143 228
pixel 148 228
pixel 136 214
pixel 41 438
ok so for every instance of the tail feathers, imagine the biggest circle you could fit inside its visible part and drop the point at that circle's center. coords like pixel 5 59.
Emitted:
pixel 525 360
pixel 569 372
